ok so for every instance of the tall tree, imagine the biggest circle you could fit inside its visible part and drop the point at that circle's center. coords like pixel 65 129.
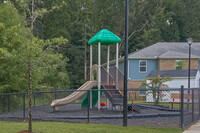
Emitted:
pixel 186 16
pixel 150 22
pixel 35 56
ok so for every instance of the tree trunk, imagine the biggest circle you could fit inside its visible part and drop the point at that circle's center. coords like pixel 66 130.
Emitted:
pixel 30 71
pixel 158 97
pixel 30 94
pixel 85 55
pixel 154 97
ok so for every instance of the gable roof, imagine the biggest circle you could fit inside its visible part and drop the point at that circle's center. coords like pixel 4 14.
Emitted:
pixel 173 50
pixel 173 73
pixel 167 50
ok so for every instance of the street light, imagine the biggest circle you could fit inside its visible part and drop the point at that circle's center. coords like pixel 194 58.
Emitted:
pixel 125 66
pixel 189 40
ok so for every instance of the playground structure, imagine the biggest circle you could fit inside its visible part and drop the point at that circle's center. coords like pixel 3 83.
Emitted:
pixel 110 78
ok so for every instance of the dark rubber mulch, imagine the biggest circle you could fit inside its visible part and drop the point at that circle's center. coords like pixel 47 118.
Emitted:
pixel 74 113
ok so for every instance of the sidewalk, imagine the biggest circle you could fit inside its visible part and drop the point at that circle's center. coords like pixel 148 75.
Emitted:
pixel 194 128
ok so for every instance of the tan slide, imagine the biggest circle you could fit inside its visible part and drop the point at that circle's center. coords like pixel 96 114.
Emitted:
pixel 75 95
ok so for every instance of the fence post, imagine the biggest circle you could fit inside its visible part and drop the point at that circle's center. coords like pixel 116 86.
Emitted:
pixel 88 107
pixel 24 105
pixel 192 105
pixel 34 99
pixel 8 103
pixel 55 96
pixel 182 107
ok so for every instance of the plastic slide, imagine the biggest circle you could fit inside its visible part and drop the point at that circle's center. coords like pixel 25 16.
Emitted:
pixel 75 95
pixel 94 98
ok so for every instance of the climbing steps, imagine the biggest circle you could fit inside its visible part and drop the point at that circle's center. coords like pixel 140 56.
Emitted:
pixel 114 95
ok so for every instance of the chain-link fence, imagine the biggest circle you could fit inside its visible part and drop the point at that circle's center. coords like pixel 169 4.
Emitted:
pixel 155 108
pixel 190 106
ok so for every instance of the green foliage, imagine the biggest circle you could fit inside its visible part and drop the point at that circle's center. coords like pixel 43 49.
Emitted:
pixel 185 16
pixel 149 22
pixel 12 50
pixel 57 78
pixel 162 20
pixel 75 65
pixel 15 47
pixel 157 82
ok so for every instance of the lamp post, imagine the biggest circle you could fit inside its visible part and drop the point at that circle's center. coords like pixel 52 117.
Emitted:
pixel 125 66
pixel 189 40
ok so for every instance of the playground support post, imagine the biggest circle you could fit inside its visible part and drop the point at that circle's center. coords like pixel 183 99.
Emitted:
pixel 117 55
pixel 99 73
pixel 90 62
pixel 90 74
pixel 125 68
pixel 108 67
pixel 108 70
pixel 117 64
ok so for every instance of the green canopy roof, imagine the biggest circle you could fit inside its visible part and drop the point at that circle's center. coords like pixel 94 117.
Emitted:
pixel 105 37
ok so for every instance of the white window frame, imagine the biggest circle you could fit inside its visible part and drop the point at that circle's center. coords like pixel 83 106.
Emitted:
pixel 142 66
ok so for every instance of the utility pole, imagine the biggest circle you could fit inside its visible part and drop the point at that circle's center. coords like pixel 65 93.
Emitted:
pixel 85 54
pixel 85 43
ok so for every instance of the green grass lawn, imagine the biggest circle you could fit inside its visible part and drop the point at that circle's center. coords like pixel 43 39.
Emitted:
pixel 59 127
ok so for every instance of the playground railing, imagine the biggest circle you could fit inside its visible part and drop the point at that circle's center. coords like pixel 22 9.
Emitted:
pixel 118 77
pixel 113 80
pixel 106 78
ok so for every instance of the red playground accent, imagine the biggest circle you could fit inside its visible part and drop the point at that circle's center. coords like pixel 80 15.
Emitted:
pixel 103 104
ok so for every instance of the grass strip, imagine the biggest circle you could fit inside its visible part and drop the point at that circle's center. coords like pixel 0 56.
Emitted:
pixel 60 127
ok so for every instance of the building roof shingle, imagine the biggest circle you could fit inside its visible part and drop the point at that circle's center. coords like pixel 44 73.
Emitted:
pixel 168 50
pixel 173 73
pixel 176 50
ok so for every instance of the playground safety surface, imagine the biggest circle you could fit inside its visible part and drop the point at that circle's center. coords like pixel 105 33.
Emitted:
pixel 74 113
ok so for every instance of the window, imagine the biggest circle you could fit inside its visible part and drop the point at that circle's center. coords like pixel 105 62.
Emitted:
pixel 179 64
pixel 142 93
pixel 143 66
